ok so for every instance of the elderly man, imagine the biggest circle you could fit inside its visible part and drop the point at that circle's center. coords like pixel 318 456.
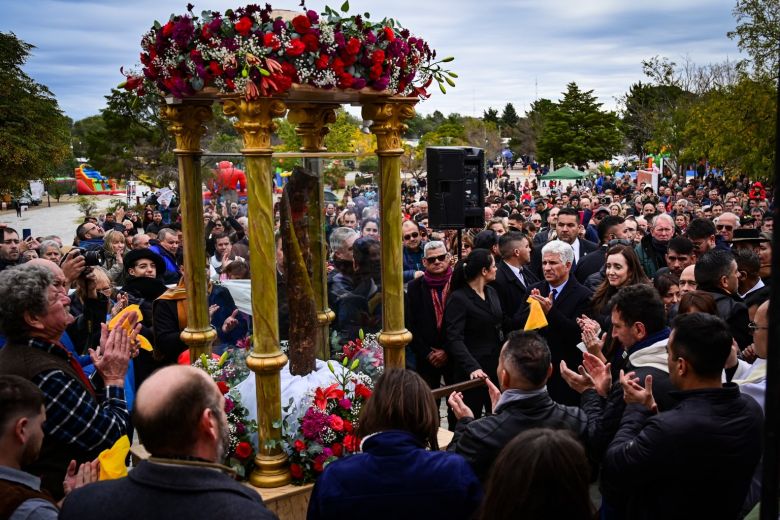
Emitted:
pixel 413 250
pixel 725 224
pixel 180 417
pixel 426 298
pixel 652 249
pixel 84 416
pixel 688 279
pixel 140 241
pixel 562 300
pixel 167 248
pixel 90 235
pixel 340 278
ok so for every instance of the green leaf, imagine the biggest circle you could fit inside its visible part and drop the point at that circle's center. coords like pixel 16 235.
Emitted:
pixel 449 82
pixel 345 6
pixel 366 15
pixel 345 361
pixel 448 59
pixel 263 72
pixel 355 364
pixel 330 367
pixel 441 87
pixel 452 74
pixel 361 334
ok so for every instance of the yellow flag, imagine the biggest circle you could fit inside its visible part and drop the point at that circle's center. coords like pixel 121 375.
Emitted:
pixel 536 318
pixel 144 343
pixel 112 460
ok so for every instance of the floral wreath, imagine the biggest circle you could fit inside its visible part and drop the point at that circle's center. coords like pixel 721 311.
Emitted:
pixel 247 51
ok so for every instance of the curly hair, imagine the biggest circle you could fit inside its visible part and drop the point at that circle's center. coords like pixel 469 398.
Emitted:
pixel 23 289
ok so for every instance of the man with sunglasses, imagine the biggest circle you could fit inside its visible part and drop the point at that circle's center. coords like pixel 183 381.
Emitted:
pixel 413 250
pixel 725 224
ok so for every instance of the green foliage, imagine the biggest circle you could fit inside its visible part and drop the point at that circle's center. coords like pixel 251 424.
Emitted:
pixel 369 165
pixel 490 116
pixel 648 115
pixel 758 33
pixel 86 205
pixel 57 189
pixel 578 130
pixel 340 138
pixel 509 117
pixel 34 134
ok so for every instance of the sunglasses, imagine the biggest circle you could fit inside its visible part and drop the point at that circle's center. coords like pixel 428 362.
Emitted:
pixel 412 235
pixel 723 226
pixel 440 258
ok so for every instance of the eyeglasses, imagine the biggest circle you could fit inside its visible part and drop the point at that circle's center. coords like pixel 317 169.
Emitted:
pixel 754 327
pixel 440 258
pixel 412 235
pixel 721 227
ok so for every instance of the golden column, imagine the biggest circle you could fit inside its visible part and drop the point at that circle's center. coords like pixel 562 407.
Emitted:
pixel 185 122
pixel 255 124
pixel 311 122
pixel 388 117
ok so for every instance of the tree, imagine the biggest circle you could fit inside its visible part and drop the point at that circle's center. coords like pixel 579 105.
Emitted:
pixel 758 34
pixel 490 116
pixel 509 117
pixel 578 131
pixel 646 112
pixel 34 134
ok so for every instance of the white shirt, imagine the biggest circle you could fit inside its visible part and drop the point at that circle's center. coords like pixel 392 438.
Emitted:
pixel 759 285
pixel 576 247
pixel 517 272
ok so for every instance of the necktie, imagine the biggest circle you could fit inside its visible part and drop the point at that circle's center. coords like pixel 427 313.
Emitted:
pixel 554 294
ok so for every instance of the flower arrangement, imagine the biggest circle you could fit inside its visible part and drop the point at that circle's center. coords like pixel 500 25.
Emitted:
pixel 240 452
pixel 247 51
pixel 367 351
pixel 327 429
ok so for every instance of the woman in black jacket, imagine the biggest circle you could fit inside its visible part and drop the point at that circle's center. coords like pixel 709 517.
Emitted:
pixel 472 321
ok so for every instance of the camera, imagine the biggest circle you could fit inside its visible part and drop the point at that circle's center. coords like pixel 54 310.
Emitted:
pixel 93 258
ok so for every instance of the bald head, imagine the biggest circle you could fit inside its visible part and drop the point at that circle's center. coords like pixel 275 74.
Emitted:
pixel 48 264
pixel 180 411
pixel 761 334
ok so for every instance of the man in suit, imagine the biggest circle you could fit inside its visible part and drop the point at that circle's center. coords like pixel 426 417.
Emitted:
pixel 512 278
pixel 562 300
pixel 567 230
pixel 609 228
pixel 180 418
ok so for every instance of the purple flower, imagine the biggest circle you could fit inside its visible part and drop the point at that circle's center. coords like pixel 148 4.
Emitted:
pixel 345 403
pixel 279 25
pixel 240 428
pixel 381 83
pixel 183 31
pixel 339 39
pixel 229 405
pixel 313 16
pixel 230 44
pixel 215 25
pixel 370 36
pixel 312 424
pixel 358 83
pixel 327 452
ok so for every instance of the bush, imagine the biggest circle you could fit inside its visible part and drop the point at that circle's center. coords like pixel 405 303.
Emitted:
pixel 86 205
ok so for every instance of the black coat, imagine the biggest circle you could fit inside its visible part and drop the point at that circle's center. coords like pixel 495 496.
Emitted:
pixel 592 263
pixel 563 334
pixel 694 461
pixel 421 322
pixel 513 295
pixel 586 247
pixel 479 441
pixel 161 491
pixel 734 313
pixel 473 332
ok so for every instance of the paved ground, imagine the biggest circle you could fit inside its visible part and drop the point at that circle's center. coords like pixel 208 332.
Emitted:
pixel 59 219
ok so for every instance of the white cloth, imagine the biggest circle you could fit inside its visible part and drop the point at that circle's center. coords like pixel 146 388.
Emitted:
pixel 654 356
pixel 752 379
pixel 241 291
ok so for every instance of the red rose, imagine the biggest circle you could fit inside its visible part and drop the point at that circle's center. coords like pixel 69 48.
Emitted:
pixel 348 426
pixel 378 56
pixel 351 443
pixel 167 29
pixel 296 471
pixel 336 422
pixel 317 466
pixel 205 34
pixel 353 46
pixel 311 41
pixel 296 47
pixel 338 66
pixel 288 69
pixel 322 62
pixel 338 449
pixel 345 80
pixel 215 68
pixel 271 41
pixel 283 83
pixel 243 450
pixel 195 54
pixel 301 24
pixel 349 59
pixel 299 445
pixel 389 34
pixel 362 391
pixel 231 85
pixel 376 71
pixel 243 26
pixel 223 387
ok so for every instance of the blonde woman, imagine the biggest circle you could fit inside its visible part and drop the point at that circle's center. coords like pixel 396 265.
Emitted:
pixel 114 248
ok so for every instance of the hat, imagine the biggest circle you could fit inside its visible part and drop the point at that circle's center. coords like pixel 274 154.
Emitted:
pixel 749 235
pixel 602 209
pixel 134 255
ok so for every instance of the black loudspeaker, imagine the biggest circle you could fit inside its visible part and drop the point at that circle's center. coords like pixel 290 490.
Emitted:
pixel 456 187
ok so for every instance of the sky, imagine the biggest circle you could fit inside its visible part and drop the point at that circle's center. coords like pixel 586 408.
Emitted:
pixel 506 51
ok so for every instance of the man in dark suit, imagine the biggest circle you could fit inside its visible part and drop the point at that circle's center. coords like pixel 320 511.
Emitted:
pixel 513 278
pixel 563 300
pixel 180 418
pixel 609 228
pixel 567 229
pixel 426 297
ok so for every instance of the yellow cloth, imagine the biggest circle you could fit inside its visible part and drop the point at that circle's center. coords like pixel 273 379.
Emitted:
pixel 536 318
pixel 144 343
pixel 112 460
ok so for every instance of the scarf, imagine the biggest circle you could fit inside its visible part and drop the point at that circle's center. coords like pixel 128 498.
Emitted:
pixel 440 288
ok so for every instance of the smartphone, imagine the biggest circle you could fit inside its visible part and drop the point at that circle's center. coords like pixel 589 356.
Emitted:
pixel 26 233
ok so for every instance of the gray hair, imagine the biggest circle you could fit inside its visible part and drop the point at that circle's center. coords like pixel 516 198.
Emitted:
pixel 660 216
pixel 339 236
pixel 736 218
pixel 23 290
pixel 560 248
pixel 164 232
pixel 46 244
pixel 433 244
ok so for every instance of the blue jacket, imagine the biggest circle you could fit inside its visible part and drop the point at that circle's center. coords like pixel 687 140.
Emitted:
pixel 413 262
pixel 172 273
pixel 396 477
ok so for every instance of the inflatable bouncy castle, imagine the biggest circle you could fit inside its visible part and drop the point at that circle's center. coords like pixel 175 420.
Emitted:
pixel 226 177
pixel 91 182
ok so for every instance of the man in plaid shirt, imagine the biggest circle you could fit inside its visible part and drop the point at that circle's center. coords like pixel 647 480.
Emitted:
pixel 83 416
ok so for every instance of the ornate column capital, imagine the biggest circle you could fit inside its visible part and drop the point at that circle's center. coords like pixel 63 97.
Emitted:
pixel 255 121
pixel 186 122
pixel 389 126
pixel 311 122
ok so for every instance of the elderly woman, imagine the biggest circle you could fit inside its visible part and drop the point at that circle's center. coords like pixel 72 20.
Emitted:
pixel 50 250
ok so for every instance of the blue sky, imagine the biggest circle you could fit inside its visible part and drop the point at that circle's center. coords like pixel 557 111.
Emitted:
pixel 506 50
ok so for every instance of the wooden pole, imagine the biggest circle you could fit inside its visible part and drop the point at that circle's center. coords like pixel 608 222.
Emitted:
pixel 388 125
pixel 255 124
pixel 185 122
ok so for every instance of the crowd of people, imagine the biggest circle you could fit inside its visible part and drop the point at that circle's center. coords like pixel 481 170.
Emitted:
pixel 645 369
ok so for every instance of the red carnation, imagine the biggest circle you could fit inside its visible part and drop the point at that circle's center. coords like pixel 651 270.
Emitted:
pixel 205 34
pixel 338 66
pixel 299 445
pixel 167 29
pixel 353 46
pixel 351 443
pixel 288 69
pixel 375 72
pixel 318 466
pixel 311 41
pixel 362 391
pixel 296 471
pixel 389 34
pixel 348 426
pixel 223 387
pixel 283 83
pixel 338 449
pixel 271 41
pixel 243 26
pixel 336 422
pixel 296 47
pixel 345 80
pixel 322 62
pixel 243 450
pixel 215 68
pixel 231 85
pixel 378 56
pixel 301 24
